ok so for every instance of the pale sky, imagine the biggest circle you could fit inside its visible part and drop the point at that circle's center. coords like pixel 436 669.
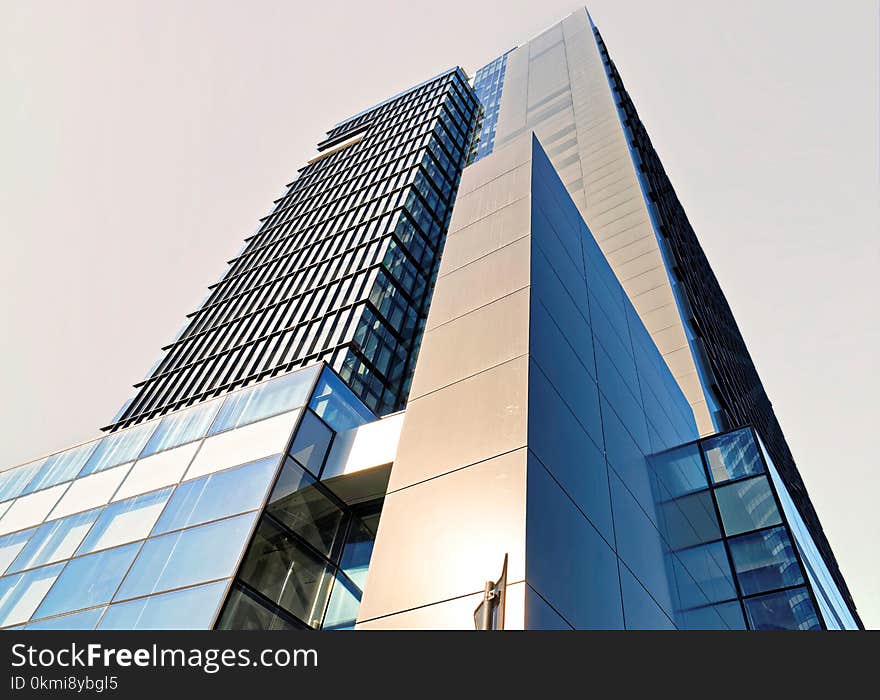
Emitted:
pixel 141 141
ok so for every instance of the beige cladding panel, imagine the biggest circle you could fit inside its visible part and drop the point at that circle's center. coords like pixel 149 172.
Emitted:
pixel 444 538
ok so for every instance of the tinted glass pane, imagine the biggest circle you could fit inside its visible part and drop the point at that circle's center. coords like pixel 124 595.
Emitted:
pixel 679 471
pixel 60 468
pixel 707 568
pixel 189 609
pixel 77 621
pixel 14 481
pixel 747 505
pixel 118 448
pixel 20 594
pixel 732 456
pixel 765 560
pixel 689 520
pixel 180 428
pixel 287 574
pixel 337 405
pixel 264 400
pixel 187 557
pixel 342 609
pixel 786 610
pixel 243 612
pixel 88 581
pixel 723 616
pixel 311 442
pixel 358 548
pixel 55 540
pixel 11 545
pixel 303 506
pixel 218 495
pixel 126 521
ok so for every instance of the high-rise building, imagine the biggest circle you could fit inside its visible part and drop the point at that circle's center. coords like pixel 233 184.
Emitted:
pixel 475 335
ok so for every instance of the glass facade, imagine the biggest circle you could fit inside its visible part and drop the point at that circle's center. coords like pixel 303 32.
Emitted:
pixel 144 528
pixel 734 542
pixel 339 271
pixel 488 83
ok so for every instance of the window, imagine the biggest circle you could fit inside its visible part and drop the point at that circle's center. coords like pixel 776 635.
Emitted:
pixel 60 468
pixel 13 481
pixel 764 561
pixel 358 548
pixel 189 609
pixel 11 545
pixel 88 581
pixel 342 609
pixel 707 568
pixel 77 621
pixel 180 428
pixel 732 456
pixel 286 573
pixel 785 610
pixel 244 612
pixel 218 495
pixel 337 405
pixel 263 400
pixel 311 443
pixel 118 448
pixel 187 557
pixel 55 540
pixel 22 593
pixel 300 504
pixel 747 505
pixel 126 521
pixel 679 471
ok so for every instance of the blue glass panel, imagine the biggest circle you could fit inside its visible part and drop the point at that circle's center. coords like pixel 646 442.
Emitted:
pixel 88 581
pixel 679 471
pixel 723 616
pixel 689 520
pixel 640 610
pixel 55 540
pixel 187 557
pixel 118 448
pixel 60 468
pixel 706 567
pixel 765 561
pixel 267 399
pixel 21 594
pixel 747 505
pixel 342 609
pixel 337 405
pixel 77 621
pixel 189 609
pixel 126 521
pixel 785 610
pixel 11 545
pixel 181 428
pixel 218 495
pixel 311 443
pixel 732 455
pixel 358 549
pixel 13 481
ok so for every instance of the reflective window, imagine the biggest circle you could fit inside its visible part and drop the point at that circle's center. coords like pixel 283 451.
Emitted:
pixel 187 557
pixel 88 581
pixel 182 427
pixel 311 442
pixel 679 471
pixel 358 550
pixel 55 540
pixel 244 612
pixel 126 521
pixel 11 545
pixel 14 481
pixel 287 574
pixel 118 448
pixel 785 610
pixel 218 495
pixel 85 620
pixel 21 594
pixel 732 456
pixel 723 616
pixel 689 520
pixel 342 609
pixel 709 570
pixel 263 400
pixel 337 405
pixel 747 505
pixel 765 560
pixel 60 468
pixel 189 609
pixel 302 505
